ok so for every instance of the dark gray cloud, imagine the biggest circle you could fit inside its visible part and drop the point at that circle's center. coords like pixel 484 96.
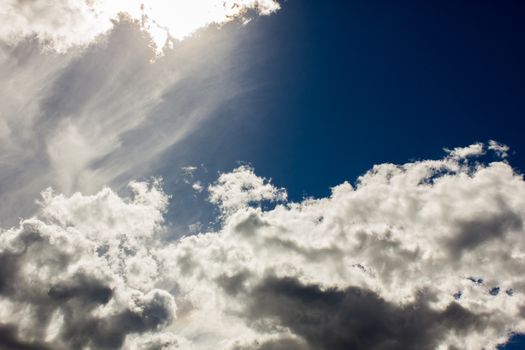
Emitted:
pixel 110 332
pixel 474 232
pixel 9 340
pixel 83 288
pixel 76 299
pixel 353 318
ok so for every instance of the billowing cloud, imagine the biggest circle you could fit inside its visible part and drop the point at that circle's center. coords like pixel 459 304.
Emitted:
pixel 423 255
pixel 79 275
pixel 62 24
pixel 241 187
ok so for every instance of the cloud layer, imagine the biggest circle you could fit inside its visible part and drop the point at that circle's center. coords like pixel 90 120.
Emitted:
pixel 63 24
pixel 423 255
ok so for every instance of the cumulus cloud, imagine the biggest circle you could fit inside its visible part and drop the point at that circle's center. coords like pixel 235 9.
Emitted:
pixel 473 150
pixel 241 187
pixel 422 255
pixel 68 278
pixel 63 24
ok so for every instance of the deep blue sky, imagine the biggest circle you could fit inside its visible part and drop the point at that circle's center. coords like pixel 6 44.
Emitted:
pixel 337 86
pixel 334 87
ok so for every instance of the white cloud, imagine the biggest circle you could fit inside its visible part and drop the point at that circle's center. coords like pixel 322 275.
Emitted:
pixel 62 24
pixel 423 255
pixel 473 150
pixel 197 186
pixel 107 214
pixel 501 149
pixel 241 187
pixel 69 277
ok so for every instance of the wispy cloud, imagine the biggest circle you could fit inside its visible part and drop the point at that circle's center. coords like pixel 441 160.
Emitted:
pixel 103 114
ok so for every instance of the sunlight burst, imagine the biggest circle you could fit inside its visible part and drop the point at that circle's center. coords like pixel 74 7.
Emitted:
pixel 78 22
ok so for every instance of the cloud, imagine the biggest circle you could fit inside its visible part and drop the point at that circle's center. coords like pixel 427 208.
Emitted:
pixel 354 318
pixel 66 281
pixel 501 149
pixel 93 109
pixel 197 186
pixel 103 115
pixel 473 150
pixel 422 255
pixel 61 25
pixel 241 187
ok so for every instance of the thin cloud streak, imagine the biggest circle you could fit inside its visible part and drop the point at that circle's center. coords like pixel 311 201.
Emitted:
pixel 103 115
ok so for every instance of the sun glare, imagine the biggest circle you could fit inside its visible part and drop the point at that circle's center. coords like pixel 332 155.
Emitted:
pixel 178 19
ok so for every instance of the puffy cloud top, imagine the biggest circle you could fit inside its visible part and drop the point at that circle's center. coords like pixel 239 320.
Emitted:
pixel 423 255
pixel 241 187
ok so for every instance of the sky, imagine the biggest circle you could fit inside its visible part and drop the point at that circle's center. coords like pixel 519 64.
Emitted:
pixel 262 175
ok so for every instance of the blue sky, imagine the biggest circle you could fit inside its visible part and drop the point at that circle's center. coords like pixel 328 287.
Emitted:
pixel 339 87
pixel 328 170
pixel 334 89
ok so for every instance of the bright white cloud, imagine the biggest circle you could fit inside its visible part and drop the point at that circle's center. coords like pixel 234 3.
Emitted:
pixel 423 255
pixel 241 187
pixel 62 24
pixel 473 150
